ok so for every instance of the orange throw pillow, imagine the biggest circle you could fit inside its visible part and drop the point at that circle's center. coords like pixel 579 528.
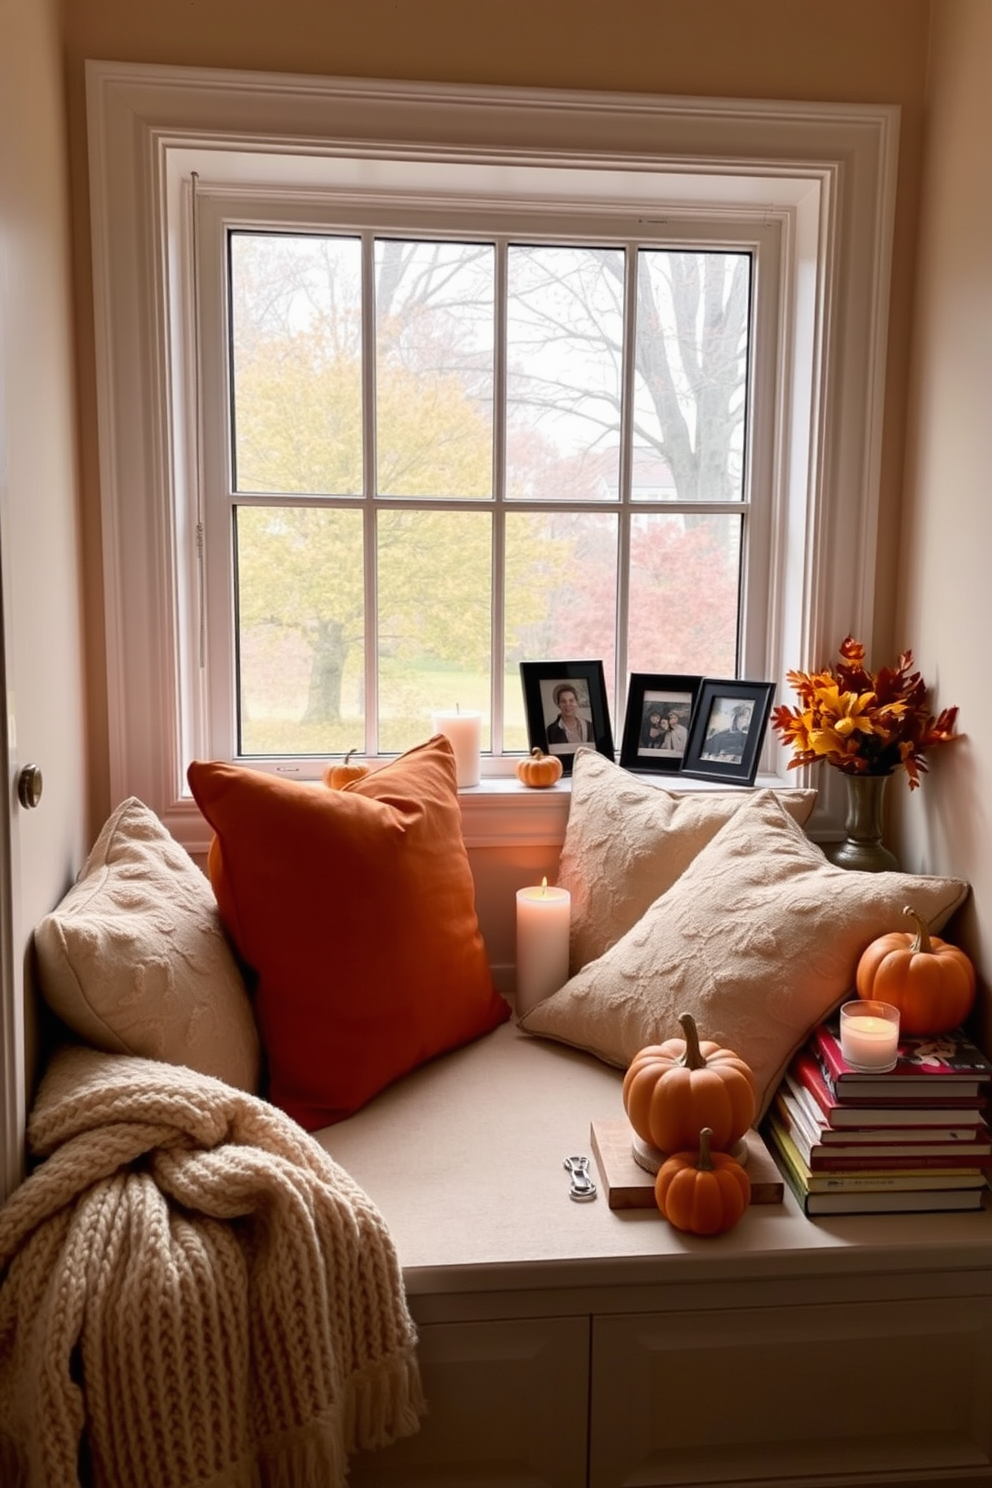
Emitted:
pixel 355 908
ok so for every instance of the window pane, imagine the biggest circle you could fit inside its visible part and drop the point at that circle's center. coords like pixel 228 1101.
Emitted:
pixel 435 621
pixel 691 375
pixel 564 337
pixel 296 363
pixel 684 593
pixel 296 309
pixel 300 599
pixel 561 598
pixel 434 319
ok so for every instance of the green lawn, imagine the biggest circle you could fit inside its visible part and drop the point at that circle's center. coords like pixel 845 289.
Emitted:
pixel 406 707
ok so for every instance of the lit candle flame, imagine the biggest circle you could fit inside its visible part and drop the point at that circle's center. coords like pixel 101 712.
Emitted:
pixel 544 884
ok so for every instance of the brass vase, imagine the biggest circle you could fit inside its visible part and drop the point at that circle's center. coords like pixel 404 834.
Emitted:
pixel 862 845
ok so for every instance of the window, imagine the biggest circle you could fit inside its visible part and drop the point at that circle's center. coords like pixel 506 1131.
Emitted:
pixel 543 447
pixel 434 456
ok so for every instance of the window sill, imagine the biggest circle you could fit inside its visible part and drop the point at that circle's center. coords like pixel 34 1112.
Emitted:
pixel 499 812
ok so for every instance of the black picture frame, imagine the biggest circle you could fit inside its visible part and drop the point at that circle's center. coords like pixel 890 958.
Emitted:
pixel 713 753
pixel 646 746
pixel 541 680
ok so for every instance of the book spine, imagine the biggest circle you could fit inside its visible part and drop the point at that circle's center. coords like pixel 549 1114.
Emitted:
pixel 909 1091
pixel 924 1059
pixel 850 1160
pixel 879 1181
pixel 893 1203
pixel 812 1086
pixel 903 1154
pixel 807 1076
pixel 826 1051
pixel 790 1152
pixel 902 1136
pixel 896 1095
pixel 796 1119
pixel 892 1182
pixel 790 1172
pixel 799 1191
pixel 866 1116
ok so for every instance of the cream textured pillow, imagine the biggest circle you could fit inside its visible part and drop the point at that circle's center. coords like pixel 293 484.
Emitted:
pixel 759 940
pixel 627 841
pixel 134 960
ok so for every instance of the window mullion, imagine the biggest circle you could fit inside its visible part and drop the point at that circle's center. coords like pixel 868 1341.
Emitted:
pixel 627 373
pixel 369 491
pixel 499 495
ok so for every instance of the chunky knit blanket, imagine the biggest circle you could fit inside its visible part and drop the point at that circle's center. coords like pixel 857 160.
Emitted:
pixel 192 1292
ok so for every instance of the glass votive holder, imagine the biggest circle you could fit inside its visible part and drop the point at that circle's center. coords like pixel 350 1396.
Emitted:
pixel 869 1035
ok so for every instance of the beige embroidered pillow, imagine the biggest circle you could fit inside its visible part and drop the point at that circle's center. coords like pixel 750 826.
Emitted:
pixel 627 841
pixel 759 940
pixel 134 959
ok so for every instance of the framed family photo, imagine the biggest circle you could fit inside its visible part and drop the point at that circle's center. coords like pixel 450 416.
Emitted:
pixel 567 708
pixel 728 730
pixel 657 721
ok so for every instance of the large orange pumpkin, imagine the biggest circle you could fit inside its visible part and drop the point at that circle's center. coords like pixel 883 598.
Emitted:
pixel 703 1192
pixel 673 1089
pixel 930 981
pixel 539 769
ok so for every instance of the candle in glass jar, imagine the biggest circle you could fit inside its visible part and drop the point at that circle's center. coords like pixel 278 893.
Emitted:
pixel 543 919
pixel 465 732
pixel 869 1034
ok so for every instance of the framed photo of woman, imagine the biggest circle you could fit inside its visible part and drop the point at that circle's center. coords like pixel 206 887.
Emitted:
pixel 656 725
pixel 566 708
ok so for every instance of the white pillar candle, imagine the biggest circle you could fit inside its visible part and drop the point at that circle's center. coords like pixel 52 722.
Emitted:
pixel 869 1035
pixel 543 918
pixel 465 732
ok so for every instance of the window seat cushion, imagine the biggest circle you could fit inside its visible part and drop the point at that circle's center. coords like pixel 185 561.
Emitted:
pixel 464 1159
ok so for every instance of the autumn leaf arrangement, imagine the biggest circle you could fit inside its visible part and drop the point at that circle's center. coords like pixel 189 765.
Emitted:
pixel 862 722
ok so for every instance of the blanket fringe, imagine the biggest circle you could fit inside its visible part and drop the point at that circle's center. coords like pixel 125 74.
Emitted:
pixel 385 1404
pixel 311 1457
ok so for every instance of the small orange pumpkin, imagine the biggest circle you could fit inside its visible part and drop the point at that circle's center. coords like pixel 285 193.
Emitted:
pixel 930 981
pixel 702 1192
pixel 673 1089
pixel 337 776
pixel 539 769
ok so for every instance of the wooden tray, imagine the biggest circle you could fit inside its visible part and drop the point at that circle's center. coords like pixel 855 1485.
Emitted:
pixel 629 1186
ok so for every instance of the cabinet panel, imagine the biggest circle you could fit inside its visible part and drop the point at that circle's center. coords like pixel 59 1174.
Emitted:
pixel 792 1395
pixel 508 1408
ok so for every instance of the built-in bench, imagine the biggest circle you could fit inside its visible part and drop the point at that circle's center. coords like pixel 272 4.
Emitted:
pixel 572 1344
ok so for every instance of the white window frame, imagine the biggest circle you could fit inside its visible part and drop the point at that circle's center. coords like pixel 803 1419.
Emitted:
pixel 824 174
pixel 224 208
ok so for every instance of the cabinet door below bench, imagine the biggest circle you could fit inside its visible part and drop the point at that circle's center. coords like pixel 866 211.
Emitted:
pixel 508 1408
pixel 851 1393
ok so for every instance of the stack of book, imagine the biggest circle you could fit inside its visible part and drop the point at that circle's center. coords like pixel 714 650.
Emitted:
pixel 914 1137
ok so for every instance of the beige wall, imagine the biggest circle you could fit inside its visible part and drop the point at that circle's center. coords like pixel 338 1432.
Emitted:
pixel 38 468
pixel 41 662
pixel 945 575
pixel 813 49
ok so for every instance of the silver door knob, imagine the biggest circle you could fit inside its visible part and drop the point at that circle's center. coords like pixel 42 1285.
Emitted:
pixel 30 786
